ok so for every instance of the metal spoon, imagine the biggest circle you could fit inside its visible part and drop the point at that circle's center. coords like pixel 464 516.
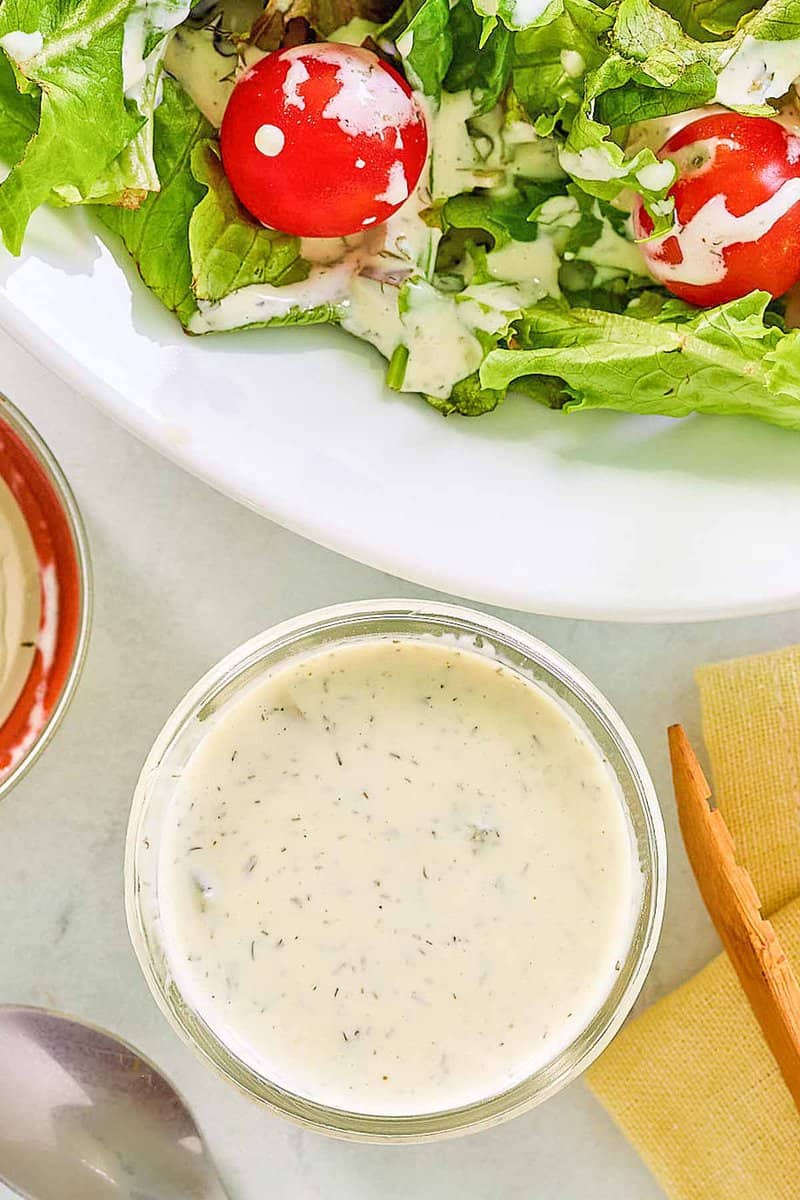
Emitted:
pixel 83 1116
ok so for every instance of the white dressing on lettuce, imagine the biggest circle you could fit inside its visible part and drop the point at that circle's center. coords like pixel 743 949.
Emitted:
pixel 525 12
pixel 758 71
pixel 140 69
pixel 527 263
pixel 454 159
pixel 260 303
pixel 560 214
pixel 21 47
pixel 442 347
pixel 592 163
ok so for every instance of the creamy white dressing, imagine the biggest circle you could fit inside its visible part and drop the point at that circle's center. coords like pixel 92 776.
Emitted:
pixel 20 601
pixel 611 250
pixel 396 877
pixel 573 63
pixel 454 161
pixel 490 306
pixel 704 239
pixel 442 347
pixel 657 176
pixel 391 251
pixel 140 71
pixel 757 71
pixel 21 47
pixel 206 75
pixel 591 163
pixel 522 13
pixel 261 302
pixel 269 140
pixel 518 14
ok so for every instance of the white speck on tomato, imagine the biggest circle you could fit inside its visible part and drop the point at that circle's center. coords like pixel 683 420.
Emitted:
pixel 269 140
pixel 369 220
pixel 360 163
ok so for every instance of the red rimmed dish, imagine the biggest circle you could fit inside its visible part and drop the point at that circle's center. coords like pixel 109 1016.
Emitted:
pixel 45 595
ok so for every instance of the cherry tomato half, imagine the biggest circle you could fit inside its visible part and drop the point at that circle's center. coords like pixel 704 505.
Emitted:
pixel 322 140
pixel 737 210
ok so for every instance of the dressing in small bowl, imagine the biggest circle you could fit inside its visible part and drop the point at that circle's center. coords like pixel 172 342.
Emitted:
pixel 393 872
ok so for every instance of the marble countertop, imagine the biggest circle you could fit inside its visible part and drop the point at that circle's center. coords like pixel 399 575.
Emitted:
pixel 182 576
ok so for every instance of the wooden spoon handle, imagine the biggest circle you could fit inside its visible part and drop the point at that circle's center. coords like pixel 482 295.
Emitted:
pixel 735 908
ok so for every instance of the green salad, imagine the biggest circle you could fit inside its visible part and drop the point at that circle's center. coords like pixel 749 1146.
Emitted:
pixel 599 206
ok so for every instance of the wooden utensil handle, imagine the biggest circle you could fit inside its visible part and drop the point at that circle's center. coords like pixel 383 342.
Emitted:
pixel 735 908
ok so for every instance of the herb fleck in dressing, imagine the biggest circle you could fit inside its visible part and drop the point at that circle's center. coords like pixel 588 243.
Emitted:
pixel 397 877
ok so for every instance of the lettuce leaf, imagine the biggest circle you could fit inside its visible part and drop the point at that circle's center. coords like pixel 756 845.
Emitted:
pixel 156 234
pixel 653 69
pixel 89 70
pixel 483 66
pixel 229 250
pixel 426 47
pixel 20 115
pixel 707 20
pixel 551 62
pixel 72 53
pixel 727 360
pixel 440 46
pixel 133 173
pixel 505 217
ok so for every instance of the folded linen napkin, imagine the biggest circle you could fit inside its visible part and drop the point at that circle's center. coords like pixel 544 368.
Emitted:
pixel 691 1081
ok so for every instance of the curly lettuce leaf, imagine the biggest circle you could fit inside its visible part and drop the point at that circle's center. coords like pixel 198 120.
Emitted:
pixel 229 250
pixel 133 173
pixel 156 234
pixel 71 53
pixel 551 62
pixel 654 68
pixel 440 46
pixel 481 64
pixel 728 360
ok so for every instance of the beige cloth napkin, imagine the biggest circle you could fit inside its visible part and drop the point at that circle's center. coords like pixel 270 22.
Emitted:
pixel 691 1082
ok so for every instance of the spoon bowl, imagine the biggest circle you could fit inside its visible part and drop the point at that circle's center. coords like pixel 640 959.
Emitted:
pixel 84 1116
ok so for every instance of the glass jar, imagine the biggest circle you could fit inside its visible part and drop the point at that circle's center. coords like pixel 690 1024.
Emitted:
pixel 48 507
pixel 325 629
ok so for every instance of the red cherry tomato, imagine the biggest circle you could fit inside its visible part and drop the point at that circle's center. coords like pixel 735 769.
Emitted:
pixel 322 140
pixel 737 210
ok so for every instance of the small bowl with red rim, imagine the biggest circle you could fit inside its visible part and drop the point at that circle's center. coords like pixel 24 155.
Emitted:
pixel 45 595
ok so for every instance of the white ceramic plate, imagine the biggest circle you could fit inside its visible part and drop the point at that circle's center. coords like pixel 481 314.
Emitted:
pixel 594 515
